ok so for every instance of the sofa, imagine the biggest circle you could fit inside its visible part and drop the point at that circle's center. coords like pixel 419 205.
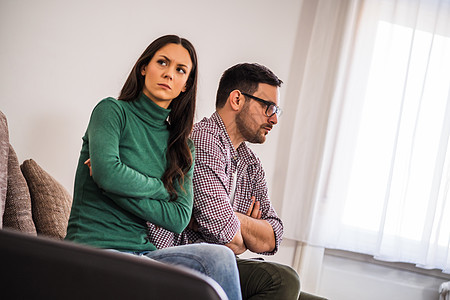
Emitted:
pixel 34 212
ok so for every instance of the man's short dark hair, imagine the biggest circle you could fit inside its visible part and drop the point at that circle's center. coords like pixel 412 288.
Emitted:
pixel 244 77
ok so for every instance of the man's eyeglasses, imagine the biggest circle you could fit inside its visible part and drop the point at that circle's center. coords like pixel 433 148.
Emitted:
pixel 271 109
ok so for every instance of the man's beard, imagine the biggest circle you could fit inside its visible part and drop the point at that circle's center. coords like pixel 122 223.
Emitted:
pixel 243 124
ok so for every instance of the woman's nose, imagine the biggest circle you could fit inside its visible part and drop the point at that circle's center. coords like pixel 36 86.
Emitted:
pixel 168 75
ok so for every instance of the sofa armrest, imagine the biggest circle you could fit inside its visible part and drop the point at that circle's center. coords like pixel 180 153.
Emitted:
pixel 43 268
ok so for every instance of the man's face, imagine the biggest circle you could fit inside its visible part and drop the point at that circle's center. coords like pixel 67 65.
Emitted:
pixel 252 122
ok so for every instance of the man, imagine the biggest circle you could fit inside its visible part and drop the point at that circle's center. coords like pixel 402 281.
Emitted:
pixel 231 202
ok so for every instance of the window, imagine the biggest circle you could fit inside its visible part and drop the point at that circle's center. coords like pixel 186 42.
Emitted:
pixel 387 192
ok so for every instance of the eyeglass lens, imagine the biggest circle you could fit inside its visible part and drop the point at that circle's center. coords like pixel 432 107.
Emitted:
pixel 271 110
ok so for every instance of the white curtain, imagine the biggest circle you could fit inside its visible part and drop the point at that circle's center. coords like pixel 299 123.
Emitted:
pixel 378 169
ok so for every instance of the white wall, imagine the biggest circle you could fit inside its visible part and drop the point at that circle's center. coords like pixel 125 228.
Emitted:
pixel 344 278
pixel 59 58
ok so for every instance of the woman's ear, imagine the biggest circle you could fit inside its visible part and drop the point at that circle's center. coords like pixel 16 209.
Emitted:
pixel 143 70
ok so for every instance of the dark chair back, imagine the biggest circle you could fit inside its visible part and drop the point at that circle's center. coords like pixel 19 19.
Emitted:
pixel 41 268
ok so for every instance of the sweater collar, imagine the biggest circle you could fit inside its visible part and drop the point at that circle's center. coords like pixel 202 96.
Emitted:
pixel 149 111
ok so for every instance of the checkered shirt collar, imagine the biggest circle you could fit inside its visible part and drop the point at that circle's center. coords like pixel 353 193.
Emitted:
pixel 243 151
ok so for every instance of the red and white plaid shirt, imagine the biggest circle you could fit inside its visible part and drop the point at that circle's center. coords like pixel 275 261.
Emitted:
pixel 215 162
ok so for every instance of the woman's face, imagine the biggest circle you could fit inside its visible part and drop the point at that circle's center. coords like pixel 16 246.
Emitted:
pixel 166 74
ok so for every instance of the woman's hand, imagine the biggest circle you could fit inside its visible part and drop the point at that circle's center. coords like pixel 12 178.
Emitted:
pixel 88 163
pixel 193 225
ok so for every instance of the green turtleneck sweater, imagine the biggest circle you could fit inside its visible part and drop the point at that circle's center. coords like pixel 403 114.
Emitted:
pixel 127 143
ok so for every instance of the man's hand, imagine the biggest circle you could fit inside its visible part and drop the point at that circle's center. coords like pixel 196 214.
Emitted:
pixel 254 210
pixel 237 245
pixel 257 234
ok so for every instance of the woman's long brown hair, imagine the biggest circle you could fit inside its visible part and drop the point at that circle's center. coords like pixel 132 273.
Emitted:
pixel 181 116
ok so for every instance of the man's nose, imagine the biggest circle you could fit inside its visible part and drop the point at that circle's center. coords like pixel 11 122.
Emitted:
pixel 273 119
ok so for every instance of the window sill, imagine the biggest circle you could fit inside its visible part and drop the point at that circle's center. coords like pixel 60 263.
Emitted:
pixel 395 265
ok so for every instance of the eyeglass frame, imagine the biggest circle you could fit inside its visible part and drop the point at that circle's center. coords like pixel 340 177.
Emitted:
pixel 278 110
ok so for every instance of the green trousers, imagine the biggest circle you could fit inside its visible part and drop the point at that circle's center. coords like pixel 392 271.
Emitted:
pixel 267 280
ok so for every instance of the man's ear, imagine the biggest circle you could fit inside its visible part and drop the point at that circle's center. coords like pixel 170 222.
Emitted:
pixel 236 100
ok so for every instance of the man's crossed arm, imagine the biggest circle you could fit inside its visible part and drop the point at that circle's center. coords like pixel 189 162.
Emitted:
pixel 255 234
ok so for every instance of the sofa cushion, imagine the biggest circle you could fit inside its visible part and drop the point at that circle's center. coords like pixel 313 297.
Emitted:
pixel 4 150
pixel 50 201
pixel 18 202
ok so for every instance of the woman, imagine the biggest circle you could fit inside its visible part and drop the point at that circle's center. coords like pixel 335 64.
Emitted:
pixel 140 165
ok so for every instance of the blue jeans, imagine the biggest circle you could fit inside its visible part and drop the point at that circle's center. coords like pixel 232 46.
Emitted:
pixel 215 261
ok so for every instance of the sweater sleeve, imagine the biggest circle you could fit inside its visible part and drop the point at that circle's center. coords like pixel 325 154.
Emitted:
pixel 171 215
pixel 108 171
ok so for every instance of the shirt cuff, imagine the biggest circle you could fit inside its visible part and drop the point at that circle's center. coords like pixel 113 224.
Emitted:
pixel 278 231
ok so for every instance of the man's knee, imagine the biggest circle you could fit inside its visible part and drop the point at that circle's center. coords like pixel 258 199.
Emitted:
pixel 269 278
pixel 290 282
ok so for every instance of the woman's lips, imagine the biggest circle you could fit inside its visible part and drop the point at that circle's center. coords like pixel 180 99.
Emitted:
pixel 165 86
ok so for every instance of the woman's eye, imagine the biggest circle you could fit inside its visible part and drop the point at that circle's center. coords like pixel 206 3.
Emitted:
pixel 162 62
pixel 181 70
